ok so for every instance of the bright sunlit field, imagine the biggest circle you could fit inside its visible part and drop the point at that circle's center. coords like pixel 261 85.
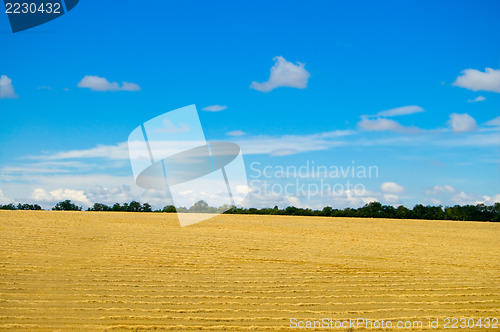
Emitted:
pixel 112 270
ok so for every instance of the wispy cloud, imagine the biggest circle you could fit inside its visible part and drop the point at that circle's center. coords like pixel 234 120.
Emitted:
pixel 494 122
pixel 214 108
pixel 169 127
pixel 379 121
pixel 405 110
pixel 44 87
pixel 284 74
pixel 382 124
pixel 391 188
pixel 6 88
pixel 438 190
pixel 477 99
pixel 96 83
pixel 116 152
pixel 236 133
pixel 283 152
pixel 292 144
pixel 476 80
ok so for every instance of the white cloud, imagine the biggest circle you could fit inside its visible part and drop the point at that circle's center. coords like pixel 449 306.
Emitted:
pixel 115 152
pixel 214 108
pixel 236 133
pixel 391 188
pixel 494 122
pixel 109 195
pixel 491 200
pixel 382 124
pixel 96 83
pixel 48 167
pixel 435 201
pixel 463 198
pixel 49 189
pixel 461 123
pixel 378 122
pixel 4 199
pixel 169 127
pixel 284 74
pixel 449 196
pixel 391 198
pixel 283 152
pixel 6 88
pixel 477 99
pixel 438 190
pixel 405 110
pixel 290 144
pixel 476 80
pixel 42 195
pixel 126 86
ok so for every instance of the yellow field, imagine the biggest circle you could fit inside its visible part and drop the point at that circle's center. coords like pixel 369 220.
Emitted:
pixel 98 270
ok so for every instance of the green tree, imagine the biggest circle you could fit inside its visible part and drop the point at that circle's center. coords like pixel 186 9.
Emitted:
pixel 146 207
pixel 199 207
pixel 134 206
pixel 66 206
pixel 100 207
pixel 8 207
pixel 169 209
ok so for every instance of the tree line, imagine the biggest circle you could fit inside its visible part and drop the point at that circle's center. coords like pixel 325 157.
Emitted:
pixel 479 212
pixel 20 207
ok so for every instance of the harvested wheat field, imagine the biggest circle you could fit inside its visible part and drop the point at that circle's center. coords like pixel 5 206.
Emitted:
pixel 135 271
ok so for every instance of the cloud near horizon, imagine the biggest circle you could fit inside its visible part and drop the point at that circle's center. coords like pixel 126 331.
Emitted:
pixel 284 74
pixel 449 195
pixel 42 195
pixel 96 83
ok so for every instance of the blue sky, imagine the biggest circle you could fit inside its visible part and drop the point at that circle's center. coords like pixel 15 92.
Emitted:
pixel 339 64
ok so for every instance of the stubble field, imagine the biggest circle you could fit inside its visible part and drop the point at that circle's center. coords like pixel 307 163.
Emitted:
pixel 135 271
